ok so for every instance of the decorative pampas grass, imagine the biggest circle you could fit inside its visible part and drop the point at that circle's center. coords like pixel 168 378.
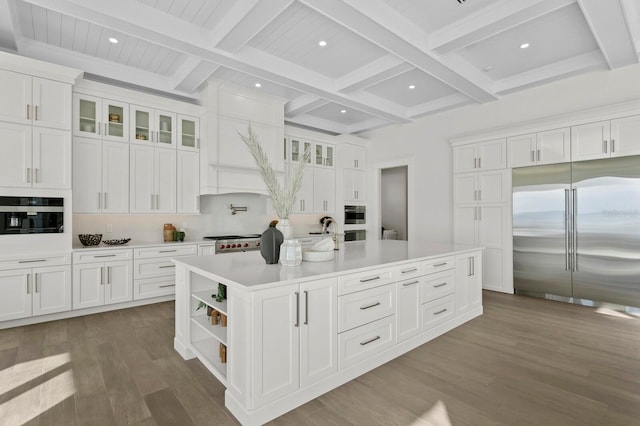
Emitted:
pixel 282 199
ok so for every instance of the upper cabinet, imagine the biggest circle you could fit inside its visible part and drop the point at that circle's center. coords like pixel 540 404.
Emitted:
pixel 150 126
pixel 100 118
pixel 33 100
pixel 551 146
pixel 489 155
pixel 604 139
pixel 354 157
pixel 188 133
pixel 324 155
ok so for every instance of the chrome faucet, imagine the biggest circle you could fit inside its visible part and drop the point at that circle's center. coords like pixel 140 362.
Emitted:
pixel 325 224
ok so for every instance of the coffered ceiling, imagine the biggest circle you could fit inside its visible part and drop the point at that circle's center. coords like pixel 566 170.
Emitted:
pixel 384 62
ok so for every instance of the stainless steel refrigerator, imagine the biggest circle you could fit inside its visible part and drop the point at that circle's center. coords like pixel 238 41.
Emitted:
pixel 576 231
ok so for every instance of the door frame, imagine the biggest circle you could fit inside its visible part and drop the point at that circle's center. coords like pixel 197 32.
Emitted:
pixel 388 164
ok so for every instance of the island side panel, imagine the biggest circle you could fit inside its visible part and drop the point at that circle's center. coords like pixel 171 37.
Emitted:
pixel 182 314
pixel 239 345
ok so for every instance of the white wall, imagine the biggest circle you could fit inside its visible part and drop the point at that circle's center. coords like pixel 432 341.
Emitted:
pixel 393 203
pixel 426 139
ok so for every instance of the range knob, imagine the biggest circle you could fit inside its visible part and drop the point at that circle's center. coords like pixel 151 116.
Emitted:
pixel 222 246
pixel 246 244
pixel 233 246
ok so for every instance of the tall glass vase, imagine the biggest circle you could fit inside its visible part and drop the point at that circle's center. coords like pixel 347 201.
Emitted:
pixel 285 227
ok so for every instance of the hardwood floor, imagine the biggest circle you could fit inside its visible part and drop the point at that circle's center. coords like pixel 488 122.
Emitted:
pixel 524 362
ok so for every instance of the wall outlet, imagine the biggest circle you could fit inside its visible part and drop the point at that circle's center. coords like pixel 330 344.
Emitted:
pixel 109 227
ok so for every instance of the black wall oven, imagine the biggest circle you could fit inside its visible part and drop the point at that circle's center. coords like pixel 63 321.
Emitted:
pixel 355 215
pixel 31 215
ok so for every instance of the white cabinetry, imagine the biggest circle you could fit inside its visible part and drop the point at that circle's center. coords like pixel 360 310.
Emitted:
pixel 33 100
pixel 35 285
pixel 468 281
pixel 354 186
pixel 152 180
pixel 102 277
pixel 34 157
pixel 188 133
pixel 188 182
pixel 100 176
pixel 153 127
pixel 154 271
pixel 548 147
pixel 489 155
pixel 95 117
pixel 604 139
pixel 295 338
pixel 354 157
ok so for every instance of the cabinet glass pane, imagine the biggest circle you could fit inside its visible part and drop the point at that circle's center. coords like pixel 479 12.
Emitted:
pixel 329 159
pixel 295 150
pixel 116 121
pixel 188 136
pixel 307 151
pixel 142 125
pixel 318 155
pixel 165 125
pixel 88 119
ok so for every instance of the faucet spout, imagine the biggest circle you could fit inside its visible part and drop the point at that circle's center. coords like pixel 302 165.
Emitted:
pixel 325 225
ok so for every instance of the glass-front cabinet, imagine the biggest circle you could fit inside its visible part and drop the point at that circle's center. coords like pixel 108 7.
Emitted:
pixel 323 155
pixel 166 128
pixel 153 127
pixel 298 147
pixel 188 133
pixel 100 118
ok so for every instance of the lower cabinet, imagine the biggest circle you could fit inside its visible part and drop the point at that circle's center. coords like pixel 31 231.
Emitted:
pixel 408 322
pixel 34 291
pixel 468 281
pixel 154 271
pixel 104 283
pixel 295 341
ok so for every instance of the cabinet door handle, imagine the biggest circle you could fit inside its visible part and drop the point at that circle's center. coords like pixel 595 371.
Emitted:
pixel 37 174
pixel 306 307
pixel 479 194
pixel 469 266
pixel 197 142
pixel 28 288
pixel 166 266
pixel 105 200
pixel 32 261
pixel 473 265
pixel 157 201
pixel 366 280
pixel 475 195
pixel 538 155
pixel 362 308
pixel 108 274
pixel 151 195
pixel 408 271
pixel 437 265
pixel 411 283
pixel 99 200
pixel 35 279
pixel 104 255
pixel 99 128
pixel 35 109
pixel 28 111
pixel 101 275
pixel 439 285
pixel 297 324
pixel 475 163
pixel 105 128
pixel 442 311
pixel 604 146
pixel 167 285
pixel 532 157
pixel 479 162
pixel 613 145
pixel 475 213
pixel 28 174
pixel 373 339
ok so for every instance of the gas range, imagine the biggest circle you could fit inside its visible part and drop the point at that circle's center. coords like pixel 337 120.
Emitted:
pixel 235 243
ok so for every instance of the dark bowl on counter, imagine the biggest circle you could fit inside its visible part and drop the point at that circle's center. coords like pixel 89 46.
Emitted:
pixel 88 240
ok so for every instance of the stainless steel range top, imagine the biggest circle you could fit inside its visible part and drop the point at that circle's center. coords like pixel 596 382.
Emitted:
pixel 235 243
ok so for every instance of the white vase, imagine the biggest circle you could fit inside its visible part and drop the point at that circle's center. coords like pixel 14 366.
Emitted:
pixel 290 253
pixel 285 227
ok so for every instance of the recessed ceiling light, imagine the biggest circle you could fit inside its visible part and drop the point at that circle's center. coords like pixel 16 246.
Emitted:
pixel 258 85
pixel 487 68
pixel 524 45
pixel 412 86
pixel 343 111
pixel 113 40
pixel 322 43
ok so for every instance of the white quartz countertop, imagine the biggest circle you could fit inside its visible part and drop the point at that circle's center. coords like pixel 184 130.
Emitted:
pixel 134 244
pixel 249 270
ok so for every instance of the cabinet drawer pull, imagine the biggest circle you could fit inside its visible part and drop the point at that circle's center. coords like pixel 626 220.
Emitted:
pixel 167 266
pixel 32 261
pixel 408 271
pixel 167 285
pixel 373 339
pixel 306 307
pixel 297 324
pixel 35 279
pixel 440 311
pixel 167 251
pixel 366 280
pixel 411 283
pixel 439 285
pixel 362 308
pixel 104 255
pixel 28 287
pixel 437 265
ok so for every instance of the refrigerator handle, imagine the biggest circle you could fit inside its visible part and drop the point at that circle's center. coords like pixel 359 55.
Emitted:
pixel 574 229
pixel 567 225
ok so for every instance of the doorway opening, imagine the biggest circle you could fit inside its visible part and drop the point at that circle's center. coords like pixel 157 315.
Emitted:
pixel 394 203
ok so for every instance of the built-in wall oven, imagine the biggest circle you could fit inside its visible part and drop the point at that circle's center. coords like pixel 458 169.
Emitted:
pixel 355 215
pixel 355 235
pixel 31 215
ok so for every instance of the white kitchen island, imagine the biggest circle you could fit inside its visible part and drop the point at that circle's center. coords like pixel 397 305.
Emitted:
pixel 294 333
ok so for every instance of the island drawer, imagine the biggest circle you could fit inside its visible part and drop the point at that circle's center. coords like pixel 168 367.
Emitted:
pixel 409 270
pixel 94 256
pixel 365 306
pixel 440 264
pixel 360 343
pixel 153 287
pixel 166 251
pixel 364 280
pixel 437 311
pixel 437 285
pixel 150 268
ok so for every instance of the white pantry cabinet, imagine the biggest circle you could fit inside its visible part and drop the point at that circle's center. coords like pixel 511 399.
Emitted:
pixel 152 180
pixel 548 147
pixel 100 176
pixel 153 127
pixel 488 155
pixel 34 157
pixel 295 338
pixel 34 101
pixel 100 118
pixel 188 182
pixel 604 139
pixel 324 190
pixel 354 186
pixel 483 187
pixel 305 197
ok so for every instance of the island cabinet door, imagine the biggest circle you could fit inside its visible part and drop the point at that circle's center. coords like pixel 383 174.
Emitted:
pixel 408 321
pixel 318 331
pixel 276 342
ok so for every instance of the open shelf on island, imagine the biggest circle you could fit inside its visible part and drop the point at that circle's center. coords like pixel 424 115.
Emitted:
pixel 205 297
pixel 207 352
pixel 216 331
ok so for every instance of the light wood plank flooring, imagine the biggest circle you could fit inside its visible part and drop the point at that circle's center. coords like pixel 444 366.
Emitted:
pixel 524 362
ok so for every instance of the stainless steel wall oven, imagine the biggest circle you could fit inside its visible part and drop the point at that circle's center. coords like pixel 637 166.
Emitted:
pixel 355 215
pixel 31 215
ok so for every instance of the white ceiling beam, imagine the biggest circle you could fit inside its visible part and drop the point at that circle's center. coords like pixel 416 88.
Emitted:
pixel 614 40
pixel 319 123
pixel 197 75
pixel 631 10
pixel 494 19
pixel 367 125
pixel 7 30
pixel 159 28
pixel 97 66
pixel 438 105
pixel 382 25
pixel 568 67
pixel 374 72
pixel 302 105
